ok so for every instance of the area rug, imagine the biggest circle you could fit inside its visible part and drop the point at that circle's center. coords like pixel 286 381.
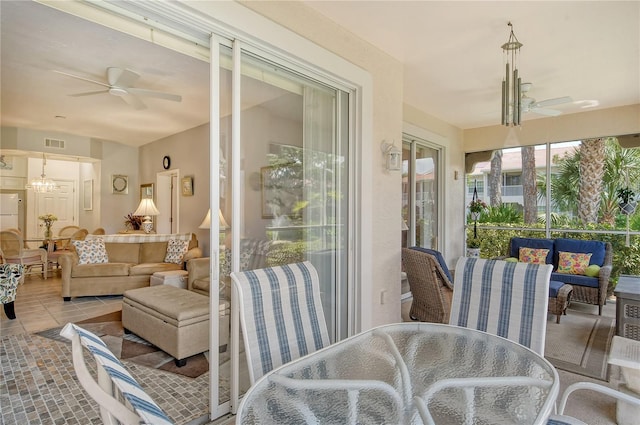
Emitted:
pixel 580 343
pixel 131 348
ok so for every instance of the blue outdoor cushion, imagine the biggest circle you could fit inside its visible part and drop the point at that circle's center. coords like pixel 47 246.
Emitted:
pixel 517 243
pixel 576 279
pixel 554 287
pixel 439 257
pixel 595 248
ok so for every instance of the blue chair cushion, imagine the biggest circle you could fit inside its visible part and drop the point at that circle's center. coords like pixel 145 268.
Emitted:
pixel 536 243
pixel 576 279
pixel 439 257
pixel 595 248
pixel 554 287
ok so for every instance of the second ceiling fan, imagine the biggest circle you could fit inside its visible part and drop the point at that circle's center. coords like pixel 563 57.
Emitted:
pixel 120 82
pixel 529 104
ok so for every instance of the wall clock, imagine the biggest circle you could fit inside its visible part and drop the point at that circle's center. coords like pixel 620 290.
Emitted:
pixel 119 184
pixel 166 162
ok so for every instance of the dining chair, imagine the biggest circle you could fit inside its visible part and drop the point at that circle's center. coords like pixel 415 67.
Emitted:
pixel 431 286
pixel 99 231
pixel 118 394
pixel 13 251
pixel 561 419
pixel 503 298
pixel 281 316
pixel 65 232
pixel 10 276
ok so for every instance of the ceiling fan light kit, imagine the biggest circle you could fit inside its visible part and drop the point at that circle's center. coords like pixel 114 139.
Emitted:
pixel 511 84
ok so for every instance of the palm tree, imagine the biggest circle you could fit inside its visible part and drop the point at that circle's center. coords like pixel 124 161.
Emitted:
pixel 529 184
pixel 621 168
pixel 495 179
pixel 592 159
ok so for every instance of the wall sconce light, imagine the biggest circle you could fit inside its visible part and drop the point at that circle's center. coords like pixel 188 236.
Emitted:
pixel 393 156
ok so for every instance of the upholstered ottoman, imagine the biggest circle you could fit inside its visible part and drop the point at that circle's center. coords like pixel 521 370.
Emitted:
pixel 177 278
pixel 174 320
pixel 559 297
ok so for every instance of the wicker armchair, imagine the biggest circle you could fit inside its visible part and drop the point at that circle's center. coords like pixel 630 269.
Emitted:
pixel 431 287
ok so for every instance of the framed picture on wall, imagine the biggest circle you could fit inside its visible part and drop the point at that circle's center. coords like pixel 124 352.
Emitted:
pixel 146 191
pixel 87 195
pixel 119 184
pixel 187 186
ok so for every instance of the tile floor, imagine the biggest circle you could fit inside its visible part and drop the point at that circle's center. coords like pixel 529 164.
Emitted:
pixel 39 385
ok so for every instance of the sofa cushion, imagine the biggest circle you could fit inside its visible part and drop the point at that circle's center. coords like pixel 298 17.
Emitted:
pixel 533 255
pixel 153 252
pixel 151 268
pixel 573 262
pixel 595 248
pixel 575 279
pixel 101 270
pixel 439 257
pixel 91 251
pixel 123 252
pixel 517 243
pixel 176 250
pixel 202 284
pixel 554 287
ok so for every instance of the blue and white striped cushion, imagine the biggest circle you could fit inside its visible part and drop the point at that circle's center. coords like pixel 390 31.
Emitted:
pixel 502 298
pixel 281 315
pixel 149 412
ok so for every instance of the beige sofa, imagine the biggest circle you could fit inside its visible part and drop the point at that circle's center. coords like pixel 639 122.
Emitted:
pixel 132 261
pixel 199 282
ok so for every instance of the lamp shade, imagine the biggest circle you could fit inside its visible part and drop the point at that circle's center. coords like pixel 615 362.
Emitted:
pixel 146 208
pixel 206 223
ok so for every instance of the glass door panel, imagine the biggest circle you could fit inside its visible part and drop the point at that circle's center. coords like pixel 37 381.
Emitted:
pixel 293 176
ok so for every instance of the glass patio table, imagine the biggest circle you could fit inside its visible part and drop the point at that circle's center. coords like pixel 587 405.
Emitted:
pixel 408 373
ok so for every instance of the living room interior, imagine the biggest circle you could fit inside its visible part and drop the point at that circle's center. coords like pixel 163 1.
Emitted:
pixel 110 142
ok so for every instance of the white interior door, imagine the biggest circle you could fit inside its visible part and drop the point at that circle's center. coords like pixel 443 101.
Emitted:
pixel 61 203
pixel 167 202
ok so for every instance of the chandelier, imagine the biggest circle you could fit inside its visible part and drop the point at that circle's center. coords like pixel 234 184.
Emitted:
pixel 511 94
pixel 42 184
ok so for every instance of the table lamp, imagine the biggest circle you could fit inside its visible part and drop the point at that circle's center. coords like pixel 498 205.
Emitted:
pixel 206 223
pixel 146 209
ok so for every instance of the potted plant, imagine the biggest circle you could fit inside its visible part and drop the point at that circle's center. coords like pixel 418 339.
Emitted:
pixel 476 207
pixel 626 200
pixel 473 247
pixel 132 222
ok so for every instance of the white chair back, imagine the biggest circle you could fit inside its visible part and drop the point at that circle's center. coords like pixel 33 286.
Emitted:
pixel 116 391
pixel 280 314
pixel 503 298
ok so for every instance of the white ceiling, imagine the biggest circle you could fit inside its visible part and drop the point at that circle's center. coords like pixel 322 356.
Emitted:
pixel 453 62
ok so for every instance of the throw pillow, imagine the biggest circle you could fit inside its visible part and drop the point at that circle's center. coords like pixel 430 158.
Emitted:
pixel 533 256
pixel 511 260
pixel 572 262
pixel 91 251
pixel 593 270
pixel 175 251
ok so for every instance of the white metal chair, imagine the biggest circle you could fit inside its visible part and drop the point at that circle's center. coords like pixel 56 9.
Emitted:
pixel 506 299
pixel 561 419
pixel 281 315
pixel 13 251
pixel 119 395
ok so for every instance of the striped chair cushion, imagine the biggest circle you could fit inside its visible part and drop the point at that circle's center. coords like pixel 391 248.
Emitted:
pixel 144 406
pixel 281 315
pixel 503 298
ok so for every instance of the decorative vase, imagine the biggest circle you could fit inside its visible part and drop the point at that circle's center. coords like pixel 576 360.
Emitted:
pixel 47 232
pixel 475 216
pixel 473 252
pixel 627 208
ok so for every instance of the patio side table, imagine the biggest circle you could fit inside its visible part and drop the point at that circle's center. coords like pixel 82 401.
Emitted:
pixel 627 294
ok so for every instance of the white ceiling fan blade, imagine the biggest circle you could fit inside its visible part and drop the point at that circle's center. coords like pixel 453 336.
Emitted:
pixel 152 93
pixel 121 77
pixel 82 78
pixel 548 112
pixel 554 101
pixel 89 93
pixel 134 101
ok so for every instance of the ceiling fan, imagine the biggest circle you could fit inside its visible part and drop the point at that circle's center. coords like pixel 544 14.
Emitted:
pixel 529 104
pixel 120 83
